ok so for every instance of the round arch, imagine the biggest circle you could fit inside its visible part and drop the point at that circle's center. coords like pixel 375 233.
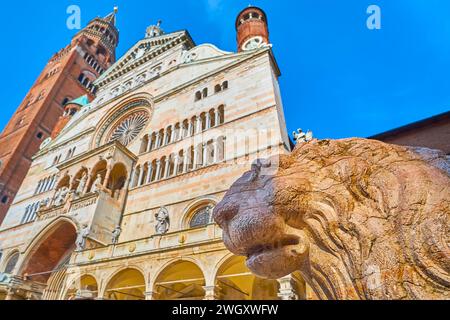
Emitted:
pixel 84 287
pixel 64 182
pixel 126 284
pixel 78 176
pixel 52 246
pixel 191 209
pixel 117 179
pixel 10 262
pixel 99 169
pixel 235 281
pixel 180 280
pixel 140 102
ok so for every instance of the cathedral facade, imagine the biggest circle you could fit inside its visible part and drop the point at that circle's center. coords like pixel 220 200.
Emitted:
pixel 117 202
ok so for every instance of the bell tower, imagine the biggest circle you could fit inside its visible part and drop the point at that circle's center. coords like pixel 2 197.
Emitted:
pixel 69 74
pixel 252 29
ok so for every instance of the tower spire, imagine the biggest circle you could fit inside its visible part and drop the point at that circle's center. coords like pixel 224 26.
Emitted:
pixel 111 18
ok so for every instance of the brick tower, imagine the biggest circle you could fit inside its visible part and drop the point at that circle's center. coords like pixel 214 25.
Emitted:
pixel 252 29
pixel 69 74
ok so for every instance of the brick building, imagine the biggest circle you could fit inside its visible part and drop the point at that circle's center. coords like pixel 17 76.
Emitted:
pixel 70 73
pixel 117 203
pixel 433 133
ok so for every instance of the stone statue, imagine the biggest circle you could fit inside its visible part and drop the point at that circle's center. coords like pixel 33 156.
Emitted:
pixel 116 234
pixel 209 211
pixel 302 137
pixel 154 31
pixel 97 185
pixel 61 196
pixel 81 238
pixel 359 219
pixel 162 221
pixel 82 184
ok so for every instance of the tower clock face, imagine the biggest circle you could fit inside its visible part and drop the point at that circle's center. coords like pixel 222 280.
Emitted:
pixel 253 43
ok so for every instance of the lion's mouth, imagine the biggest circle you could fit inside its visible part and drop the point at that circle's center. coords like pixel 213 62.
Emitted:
pixel 286 241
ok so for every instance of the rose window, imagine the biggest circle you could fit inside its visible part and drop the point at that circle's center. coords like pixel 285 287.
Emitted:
pixel 130 128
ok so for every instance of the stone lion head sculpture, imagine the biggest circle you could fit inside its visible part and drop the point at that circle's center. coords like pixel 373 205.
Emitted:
pixel 359 219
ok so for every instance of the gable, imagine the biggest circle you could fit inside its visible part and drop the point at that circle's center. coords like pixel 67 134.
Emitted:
pixel 144 51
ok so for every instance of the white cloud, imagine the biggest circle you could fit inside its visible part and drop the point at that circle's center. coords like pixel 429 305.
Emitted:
pixel 213 5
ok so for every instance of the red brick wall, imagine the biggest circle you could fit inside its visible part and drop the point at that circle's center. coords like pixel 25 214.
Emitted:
pixel 252 27
pixel 434 136
pixel 18 143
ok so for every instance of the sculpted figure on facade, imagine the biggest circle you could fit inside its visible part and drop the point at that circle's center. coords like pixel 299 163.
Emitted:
pixel 61 196
pixel 82 238
pixel 162 221
pixel 301 137
pixel 82 184
pixel 116 234
pixel 359 219
pixel 97 185
pixel 154 31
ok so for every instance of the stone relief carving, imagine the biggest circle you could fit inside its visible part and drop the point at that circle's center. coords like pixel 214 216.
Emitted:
pixel 359 219
pixel 190 57
pixel 162 221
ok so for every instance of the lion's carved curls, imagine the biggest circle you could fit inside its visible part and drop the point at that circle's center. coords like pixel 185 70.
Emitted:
pixel 359 219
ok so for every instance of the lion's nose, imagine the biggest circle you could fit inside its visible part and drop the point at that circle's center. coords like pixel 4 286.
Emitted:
pixel 225 211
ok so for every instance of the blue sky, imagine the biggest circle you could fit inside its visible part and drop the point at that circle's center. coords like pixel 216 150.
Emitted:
pixel 339 78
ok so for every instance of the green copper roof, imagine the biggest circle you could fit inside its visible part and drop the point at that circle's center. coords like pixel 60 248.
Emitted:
pixel 81 101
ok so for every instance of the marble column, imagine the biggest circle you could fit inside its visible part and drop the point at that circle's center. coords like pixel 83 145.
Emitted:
pixel 199 124
pixel 151 295
pixel 158 170
pixel 106 180
pixel 208 121
pixel 287 289
pixel 176 163
pixel 189 130
pixel 167 169
pixel 133 178
pixel 149 144
pixel 164 141
pixel 186 161
pixel 149 173
pixel 216 150
pixel 88 182
pixel 205 155
pixel 196 156
pixel 211 293
pixel 141 176
pixel 37 191
pixel 173 137
pixel 158 140
pixel 217 115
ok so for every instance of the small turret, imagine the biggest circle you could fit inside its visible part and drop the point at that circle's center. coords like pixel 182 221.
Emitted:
pixel 252 29
pixel 70 109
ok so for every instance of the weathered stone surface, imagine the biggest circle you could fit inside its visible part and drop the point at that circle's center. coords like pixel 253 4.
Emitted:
pixel 359 219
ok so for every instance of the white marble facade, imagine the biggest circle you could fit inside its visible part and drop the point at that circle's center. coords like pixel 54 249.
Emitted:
pixel 172 127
